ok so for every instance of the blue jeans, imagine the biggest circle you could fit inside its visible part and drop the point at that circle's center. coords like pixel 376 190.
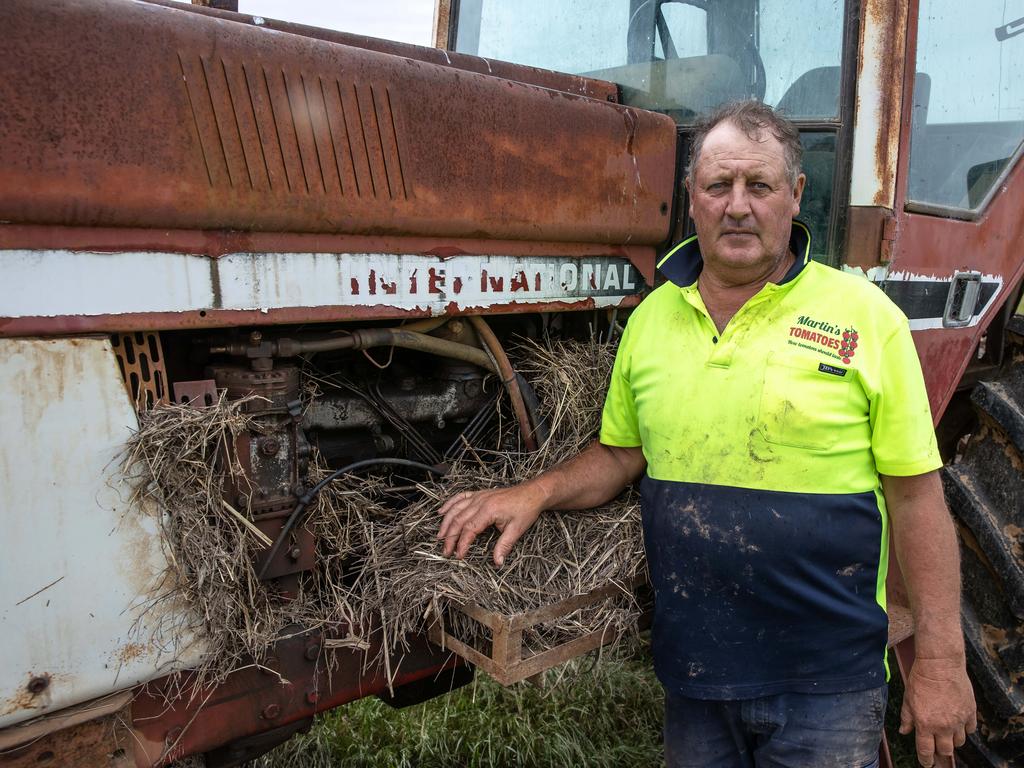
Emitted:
pixel 790 730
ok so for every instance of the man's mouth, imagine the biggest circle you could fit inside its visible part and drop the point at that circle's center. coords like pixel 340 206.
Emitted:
pixel 737 232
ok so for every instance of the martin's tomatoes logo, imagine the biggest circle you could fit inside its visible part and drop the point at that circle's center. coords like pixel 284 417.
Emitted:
pixel 824 337
pixel 848 346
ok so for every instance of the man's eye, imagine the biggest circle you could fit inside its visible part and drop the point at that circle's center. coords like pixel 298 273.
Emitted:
pixel 759 185
pixel 717 186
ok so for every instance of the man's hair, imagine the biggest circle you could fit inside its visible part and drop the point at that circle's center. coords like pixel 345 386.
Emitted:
pixel 753 118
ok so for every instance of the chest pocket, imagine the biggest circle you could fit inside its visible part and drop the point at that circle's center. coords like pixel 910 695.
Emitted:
pixel 802 406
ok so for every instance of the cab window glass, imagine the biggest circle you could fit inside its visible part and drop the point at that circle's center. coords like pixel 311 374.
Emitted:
pixel 681 57
pixel 819 166
pixel 968 112
pixel 800 44
pixel 685 31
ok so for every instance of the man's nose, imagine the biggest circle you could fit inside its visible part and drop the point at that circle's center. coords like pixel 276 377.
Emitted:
pixel 738 204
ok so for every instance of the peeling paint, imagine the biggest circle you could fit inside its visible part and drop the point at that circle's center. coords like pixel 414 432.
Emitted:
pixel 79 569
pixel 879 103
pixel 874 274
pixel 50 283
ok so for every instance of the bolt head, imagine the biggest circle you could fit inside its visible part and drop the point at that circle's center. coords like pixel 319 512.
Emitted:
pixel 271 711
pixel 312 651
pixel 38 684
pixel 312 697
pixel 294 554
pixel 269 446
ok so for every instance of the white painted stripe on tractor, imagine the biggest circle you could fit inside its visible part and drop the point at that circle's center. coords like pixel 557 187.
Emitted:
pixel 47 283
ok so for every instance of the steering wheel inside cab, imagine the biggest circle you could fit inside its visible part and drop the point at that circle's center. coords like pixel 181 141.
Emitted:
pixel 740 46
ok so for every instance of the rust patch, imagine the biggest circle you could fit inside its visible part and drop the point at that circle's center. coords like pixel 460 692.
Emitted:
pixel 442 20
pixel 864 236
pixel 239 106
pixel 129 652
pixel 104 742
pixel 887 22
pixel 223 318
pixel 33 694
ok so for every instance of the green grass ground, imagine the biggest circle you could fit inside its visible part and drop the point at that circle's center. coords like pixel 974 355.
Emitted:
pixel 601 715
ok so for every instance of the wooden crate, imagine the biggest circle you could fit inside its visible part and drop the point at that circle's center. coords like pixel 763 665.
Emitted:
pixel 506 662
pixel 901 624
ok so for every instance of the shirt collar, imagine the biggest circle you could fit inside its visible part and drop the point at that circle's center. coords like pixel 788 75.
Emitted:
pixel 683 263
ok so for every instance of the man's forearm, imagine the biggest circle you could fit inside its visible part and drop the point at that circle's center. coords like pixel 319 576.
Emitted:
pixel 926 548
pixel 938 702
pixel 597 475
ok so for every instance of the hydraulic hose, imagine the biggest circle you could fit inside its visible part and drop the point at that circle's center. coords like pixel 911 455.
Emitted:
pixel 508 378
pixel 365 338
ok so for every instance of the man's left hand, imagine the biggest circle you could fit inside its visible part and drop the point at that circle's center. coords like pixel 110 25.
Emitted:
pixel 939 705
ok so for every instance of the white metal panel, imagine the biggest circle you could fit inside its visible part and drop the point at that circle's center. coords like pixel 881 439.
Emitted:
pixel 76 562
pixel 56 282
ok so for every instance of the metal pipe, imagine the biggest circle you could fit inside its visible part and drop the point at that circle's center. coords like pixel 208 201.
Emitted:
pixel 508 378
pixel 399 337
pixel 364 338
pixel 426 325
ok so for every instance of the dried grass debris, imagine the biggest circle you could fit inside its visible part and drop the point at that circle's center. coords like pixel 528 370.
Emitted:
pixel 378 561
pixel 178 463
pixel 407 582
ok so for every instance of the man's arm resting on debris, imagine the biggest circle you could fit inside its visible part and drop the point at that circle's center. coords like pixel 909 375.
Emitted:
pixel 939 702
pixel 598 474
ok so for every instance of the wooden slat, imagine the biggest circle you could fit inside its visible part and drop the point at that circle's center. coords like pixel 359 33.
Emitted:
pixel 901 624
pixel 570 604
pixel 493 621
pixel 506 663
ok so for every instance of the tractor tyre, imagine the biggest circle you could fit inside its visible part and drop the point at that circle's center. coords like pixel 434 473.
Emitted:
pixel 985 490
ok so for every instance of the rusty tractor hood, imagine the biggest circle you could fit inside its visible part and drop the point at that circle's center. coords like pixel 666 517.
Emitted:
pixel 124 114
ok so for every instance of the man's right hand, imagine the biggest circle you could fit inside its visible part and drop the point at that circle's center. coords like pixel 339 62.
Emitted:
pixel 597 475
pixel 511 510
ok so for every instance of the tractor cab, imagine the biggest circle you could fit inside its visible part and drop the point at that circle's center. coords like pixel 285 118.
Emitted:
pixel 685 57
pixel 948 85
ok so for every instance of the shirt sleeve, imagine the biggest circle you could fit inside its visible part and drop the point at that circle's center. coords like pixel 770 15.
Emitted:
pixel 902 435
pixel 619 425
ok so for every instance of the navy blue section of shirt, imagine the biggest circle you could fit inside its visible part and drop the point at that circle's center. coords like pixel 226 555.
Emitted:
pixel 763 592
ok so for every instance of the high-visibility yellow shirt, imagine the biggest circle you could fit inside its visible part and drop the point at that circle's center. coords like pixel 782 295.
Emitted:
pixel 764 520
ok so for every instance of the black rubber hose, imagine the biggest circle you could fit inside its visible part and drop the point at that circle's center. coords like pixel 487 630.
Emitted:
pixel 307 498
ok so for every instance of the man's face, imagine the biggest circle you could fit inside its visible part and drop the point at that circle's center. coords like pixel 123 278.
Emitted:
pixel 742 203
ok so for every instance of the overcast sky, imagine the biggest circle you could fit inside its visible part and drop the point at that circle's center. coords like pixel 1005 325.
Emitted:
pixel 407 20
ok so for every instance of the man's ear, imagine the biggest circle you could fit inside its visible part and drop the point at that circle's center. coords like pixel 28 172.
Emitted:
pixel 798 191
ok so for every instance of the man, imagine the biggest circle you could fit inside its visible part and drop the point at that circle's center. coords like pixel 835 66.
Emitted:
pixel 779 411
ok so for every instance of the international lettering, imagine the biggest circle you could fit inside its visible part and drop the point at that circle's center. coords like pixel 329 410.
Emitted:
pixel 555 278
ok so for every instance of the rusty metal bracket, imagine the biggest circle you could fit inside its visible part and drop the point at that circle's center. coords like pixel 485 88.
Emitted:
pixel 91 734
pixel 199 393
pixel 140 357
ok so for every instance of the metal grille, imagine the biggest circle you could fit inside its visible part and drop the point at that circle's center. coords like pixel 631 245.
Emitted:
pixel 141 360
pixel 289 131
